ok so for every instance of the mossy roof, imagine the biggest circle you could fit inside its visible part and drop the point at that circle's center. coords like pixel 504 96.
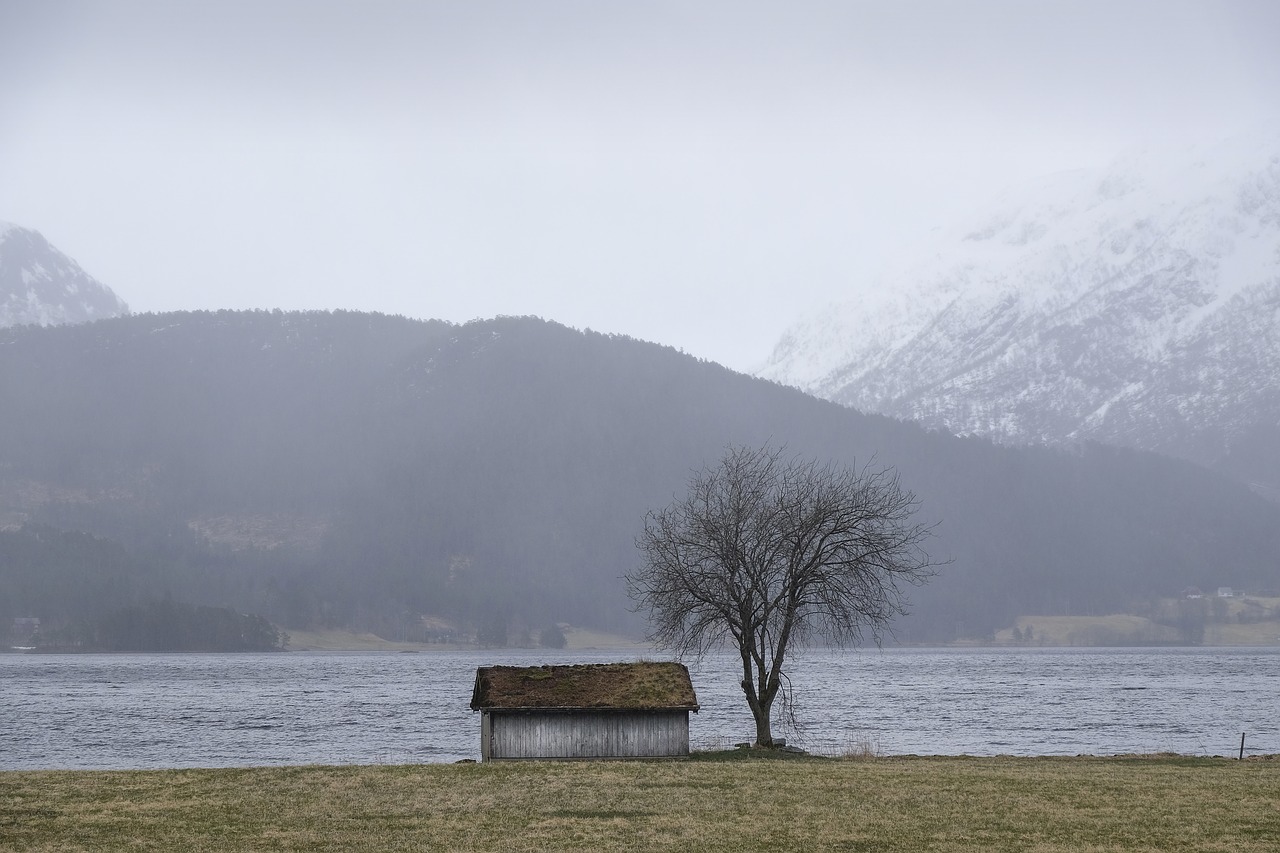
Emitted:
pixel 585 687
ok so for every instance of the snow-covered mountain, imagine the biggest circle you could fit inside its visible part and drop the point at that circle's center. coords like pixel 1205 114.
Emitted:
pixel 1137 306
pixel 41 286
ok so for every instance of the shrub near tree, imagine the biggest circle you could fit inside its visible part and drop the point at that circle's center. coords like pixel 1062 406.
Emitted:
pixel 765 554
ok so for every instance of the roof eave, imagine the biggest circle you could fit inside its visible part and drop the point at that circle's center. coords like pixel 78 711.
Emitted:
pixel 584 709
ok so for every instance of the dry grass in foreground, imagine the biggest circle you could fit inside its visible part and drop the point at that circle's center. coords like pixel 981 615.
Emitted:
pixel 886 804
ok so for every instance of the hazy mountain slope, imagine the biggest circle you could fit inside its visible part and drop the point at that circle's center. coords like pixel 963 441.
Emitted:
pixel 42 286
pixel 1139 306
pixel 357 470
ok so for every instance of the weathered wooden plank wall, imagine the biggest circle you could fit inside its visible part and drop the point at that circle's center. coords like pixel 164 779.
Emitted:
pixel 617 734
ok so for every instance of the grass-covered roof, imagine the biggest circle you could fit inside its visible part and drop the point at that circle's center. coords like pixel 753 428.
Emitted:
pixel 601 686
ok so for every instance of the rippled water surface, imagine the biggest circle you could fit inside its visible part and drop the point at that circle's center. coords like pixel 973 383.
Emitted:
pixel 148 711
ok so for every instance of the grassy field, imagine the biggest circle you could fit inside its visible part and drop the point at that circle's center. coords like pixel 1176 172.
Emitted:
pixel 883 804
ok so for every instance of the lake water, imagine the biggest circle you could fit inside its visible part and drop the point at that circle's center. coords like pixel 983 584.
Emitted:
pixel 156 711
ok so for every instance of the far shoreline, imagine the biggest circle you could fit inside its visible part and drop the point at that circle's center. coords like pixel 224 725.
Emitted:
pixel 377 645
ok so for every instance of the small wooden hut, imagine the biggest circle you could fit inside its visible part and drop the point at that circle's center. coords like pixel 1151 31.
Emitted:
pixel 611 710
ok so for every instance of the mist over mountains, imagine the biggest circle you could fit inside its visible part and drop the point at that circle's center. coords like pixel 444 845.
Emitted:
pixel 359 470
pixel 1137 306
pixel 42 286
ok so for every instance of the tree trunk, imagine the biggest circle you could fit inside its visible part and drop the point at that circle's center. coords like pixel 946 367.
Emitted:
pixel 761 708
pixel 764 735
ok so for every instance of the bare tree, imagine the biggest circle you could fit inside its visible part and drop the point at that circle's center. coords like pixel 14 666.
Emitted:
pixel 767 554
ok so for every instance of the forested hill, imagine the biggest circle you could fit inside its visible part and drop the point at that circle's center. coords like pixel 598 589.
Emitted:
pixel 361 470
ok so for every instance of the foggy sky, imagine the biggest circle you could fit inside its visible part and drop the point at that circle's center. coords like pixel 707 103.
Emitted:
pixel 698 174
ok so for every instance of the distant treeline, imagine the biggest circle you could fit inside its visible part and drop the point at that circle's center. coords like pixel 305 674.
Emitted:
pixel 90 594
pixel 358 471
pixel 170 626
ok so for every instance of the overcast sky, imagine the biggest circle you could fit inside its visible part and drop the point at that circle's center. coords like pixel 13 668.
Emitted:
pixel 698 174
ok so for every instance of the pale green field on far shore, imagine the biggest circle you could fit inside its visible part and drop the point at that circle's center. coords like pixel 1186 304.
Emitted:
pixel 1237 627
pixel 576 639
pixel 1050 631
pixel 728 803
